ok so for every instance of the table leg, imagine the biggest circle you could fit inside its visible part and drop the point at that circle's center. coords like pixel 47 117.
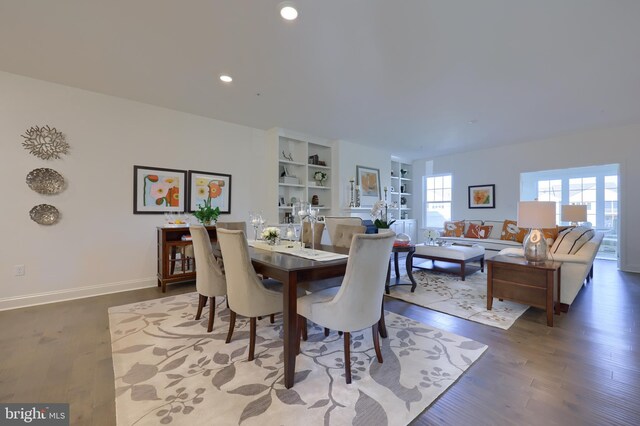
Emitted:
pixel 395 261
pixel 550 288
pixel 489 286
pixel 290 317
pixel 462 268
pixel 414 284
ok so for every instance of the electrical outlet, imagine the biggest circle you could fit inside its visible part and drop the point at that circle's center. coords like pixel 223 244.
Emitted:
pixel 18 270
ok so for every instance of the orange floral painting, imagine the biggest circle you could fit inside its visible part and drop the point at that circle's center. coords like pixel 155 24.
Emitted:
pixel 205 188
pixel 482 197
pixel 158 190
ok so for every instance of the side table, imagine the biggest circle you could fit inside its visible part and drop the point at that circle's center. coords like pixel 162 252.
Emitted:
pixel 409 249
pixel 515 279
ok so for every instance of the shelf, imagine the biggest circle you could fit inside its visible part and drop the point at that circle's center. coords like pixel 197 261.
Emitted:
pixel 292 185
pixel 394 177
pixel 316 166
pixel 293 163
pixel 319 187
pixel 405 179
pixel 405 208
pixel 404 193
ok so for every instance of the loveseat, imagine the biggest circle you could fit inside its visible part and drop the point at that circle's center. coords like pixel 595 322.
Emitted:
pixel 492 244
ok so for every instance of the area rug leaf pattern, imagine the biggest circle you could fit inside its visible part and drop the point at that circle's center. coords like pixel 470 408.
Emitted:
pixel 467 299
pixel 169 370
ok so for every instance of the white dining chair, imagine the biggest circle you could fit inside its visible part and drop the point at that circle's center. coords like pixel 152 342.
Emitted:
pixel 238 226
pixel 210 277
pixel 355 305
pixel 344 234
pixel 246 293
pixel 333 221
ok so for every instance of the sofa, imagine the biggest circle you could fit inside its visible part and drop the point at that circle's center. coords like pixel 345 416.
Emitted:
pixel 492 245
pixel 576 267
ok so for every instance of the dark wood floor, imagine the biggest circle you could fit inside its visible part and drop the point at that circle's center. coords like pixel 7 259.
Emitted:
pixel 585 370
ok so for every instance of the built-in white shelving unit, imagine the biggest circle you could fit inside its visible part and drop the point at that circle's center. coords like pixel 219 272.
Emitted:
pixel 401 197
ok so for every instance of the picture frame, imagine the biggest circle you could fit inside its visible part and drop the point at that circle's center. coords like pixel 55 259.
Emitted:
pixel 158 190
pixel 482 197
pixel 209 186
pixel 368 179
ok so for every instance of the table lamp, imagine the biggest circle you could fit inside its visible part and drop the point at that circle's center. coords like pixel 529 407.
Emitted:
pixel 574 213
pixel 536 215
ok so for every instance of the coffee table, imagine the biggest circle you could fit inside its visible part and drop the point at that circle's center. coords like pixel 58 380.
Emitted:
pixel 409 249
pixel 460 254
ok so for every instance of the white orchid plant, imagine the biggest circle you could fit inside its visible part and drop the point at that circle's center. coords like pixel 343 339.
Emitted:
pixel 380 215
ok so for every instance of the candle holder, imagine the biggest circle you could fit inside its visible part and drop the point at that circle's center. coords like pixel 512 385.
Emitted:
pixel 351 203
pixel 357 196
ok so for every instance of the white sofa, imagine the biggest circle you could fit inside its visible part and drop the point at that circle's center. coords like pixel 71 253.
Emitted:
pixel 493 244
pixel 575 267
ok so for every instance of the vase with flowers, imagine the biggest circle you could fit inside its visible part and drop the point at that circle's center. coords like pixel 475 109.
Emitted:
pixel 320 177
pixel 206 214
pixel 271 234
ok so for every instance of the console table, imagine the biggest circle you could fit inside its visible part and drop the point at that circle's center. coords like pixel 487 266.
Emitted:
pixel 175 256
pixel 515 279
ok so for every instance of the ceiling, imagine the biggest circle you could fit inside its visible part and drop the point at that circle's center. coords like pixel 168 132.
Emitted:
pixel 418 77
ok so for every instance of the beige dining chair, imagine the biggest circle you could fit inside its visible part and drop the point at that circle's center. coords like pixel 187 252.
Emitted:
pixel 210 277
pixel 237 226
pixel 344 234
pixel 246 293
pixel 305 234
pixel 333 221
pixel 355 305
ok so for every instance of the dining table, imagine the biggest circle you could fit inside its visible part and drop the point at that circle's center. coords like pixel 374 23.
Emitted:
pixel 290 270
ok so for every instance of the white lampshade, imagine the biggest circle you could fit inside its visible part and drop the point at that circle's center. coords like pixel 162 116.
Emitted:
pixel 574 212
pixel 536 214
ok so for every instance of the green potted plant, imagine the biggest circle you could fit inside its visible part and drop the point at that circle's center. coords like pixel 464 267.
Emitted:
pixel 205 214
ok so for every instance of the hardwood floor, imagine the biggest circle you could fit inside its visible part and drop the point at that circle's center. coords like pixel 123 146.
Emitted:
pixel 585 370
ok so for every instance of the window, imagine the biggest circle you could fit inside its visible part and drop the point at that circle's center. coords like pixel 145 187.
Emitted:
pixel 438 200
pixel 583 191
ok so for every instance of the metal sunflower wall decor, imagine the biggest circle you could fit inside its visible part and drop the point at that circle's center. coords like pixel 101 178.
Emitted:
pixel 44 214
pixel 45 142
pixel 45 181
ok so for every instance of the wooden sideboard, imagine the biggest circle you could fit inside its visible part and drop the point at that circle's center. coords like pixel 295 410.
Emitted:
pixel 175 256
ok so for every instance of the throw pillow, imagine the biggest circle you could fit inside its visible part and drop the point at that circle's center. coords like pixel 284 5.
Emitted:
pixel 453 229
pixel 478 231
pixel 571 240
pixel 511 232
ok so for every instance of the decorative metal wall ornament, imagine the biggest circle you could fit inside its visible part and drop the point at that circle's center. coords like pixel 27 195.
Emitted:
pixel 45 142
pixel 44 214
pixel 45 181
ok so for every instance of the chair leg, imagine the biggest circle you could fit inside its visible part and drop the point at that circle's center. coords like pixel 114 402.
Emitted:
pixel 299 333
pixel 252 338
pixel 347 357
pixel 326 332
pixel 272 318
pixel 376 342
pixel 232 324
pixel 382 326
pixel 304 329
pixel 201 301
pixel 212 313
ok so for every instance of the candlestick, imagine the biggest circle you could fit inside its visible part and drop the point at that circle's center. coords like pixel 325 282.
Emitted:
pixel 351 203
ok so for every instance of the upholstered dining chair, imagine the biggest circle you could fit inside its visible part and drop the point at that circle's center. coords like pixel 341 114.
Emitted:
pixel 354 305
pixel 246 293
pixel 210 278
pixel 305 235
pixel 237 226
pixel 333 221
pixel 344 234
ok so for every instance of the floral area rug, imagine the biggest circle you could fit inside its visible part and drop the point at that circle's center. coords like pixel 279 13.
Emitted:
pixel 169 370
pixel 467 299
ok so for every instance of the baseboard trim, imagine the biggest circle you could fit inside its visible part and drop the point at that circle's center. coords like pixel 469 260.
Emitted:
pixel 16 302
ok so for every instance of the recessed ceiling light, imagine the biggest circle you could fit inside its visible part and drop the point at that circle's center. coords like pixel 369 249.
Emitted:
pixel 288 11
pixel 472 121
pixel 226 78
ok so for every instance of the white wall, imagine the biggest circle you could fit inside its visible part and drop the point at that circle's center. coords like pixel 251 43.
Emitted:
pixel 502 166
pixel 99 245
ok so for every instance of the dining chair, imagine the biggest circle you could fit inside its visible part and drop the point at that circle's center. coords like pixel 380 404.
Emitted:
pixel 333 221
pixel 210 277
pixel 237 226
pixel 305 235
pixel 344 234
pixel 355 305
pixel 246 293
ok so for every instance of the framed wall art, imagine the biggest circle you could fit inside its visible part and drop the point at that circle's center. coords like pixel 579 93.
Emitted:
pixel 208 186
pixel 157 190
pixel 369 181
pixel 482 197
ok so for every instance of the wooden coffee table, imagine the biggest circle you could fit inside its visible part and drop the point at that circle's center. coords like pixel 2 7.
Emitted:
pixel 515 279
